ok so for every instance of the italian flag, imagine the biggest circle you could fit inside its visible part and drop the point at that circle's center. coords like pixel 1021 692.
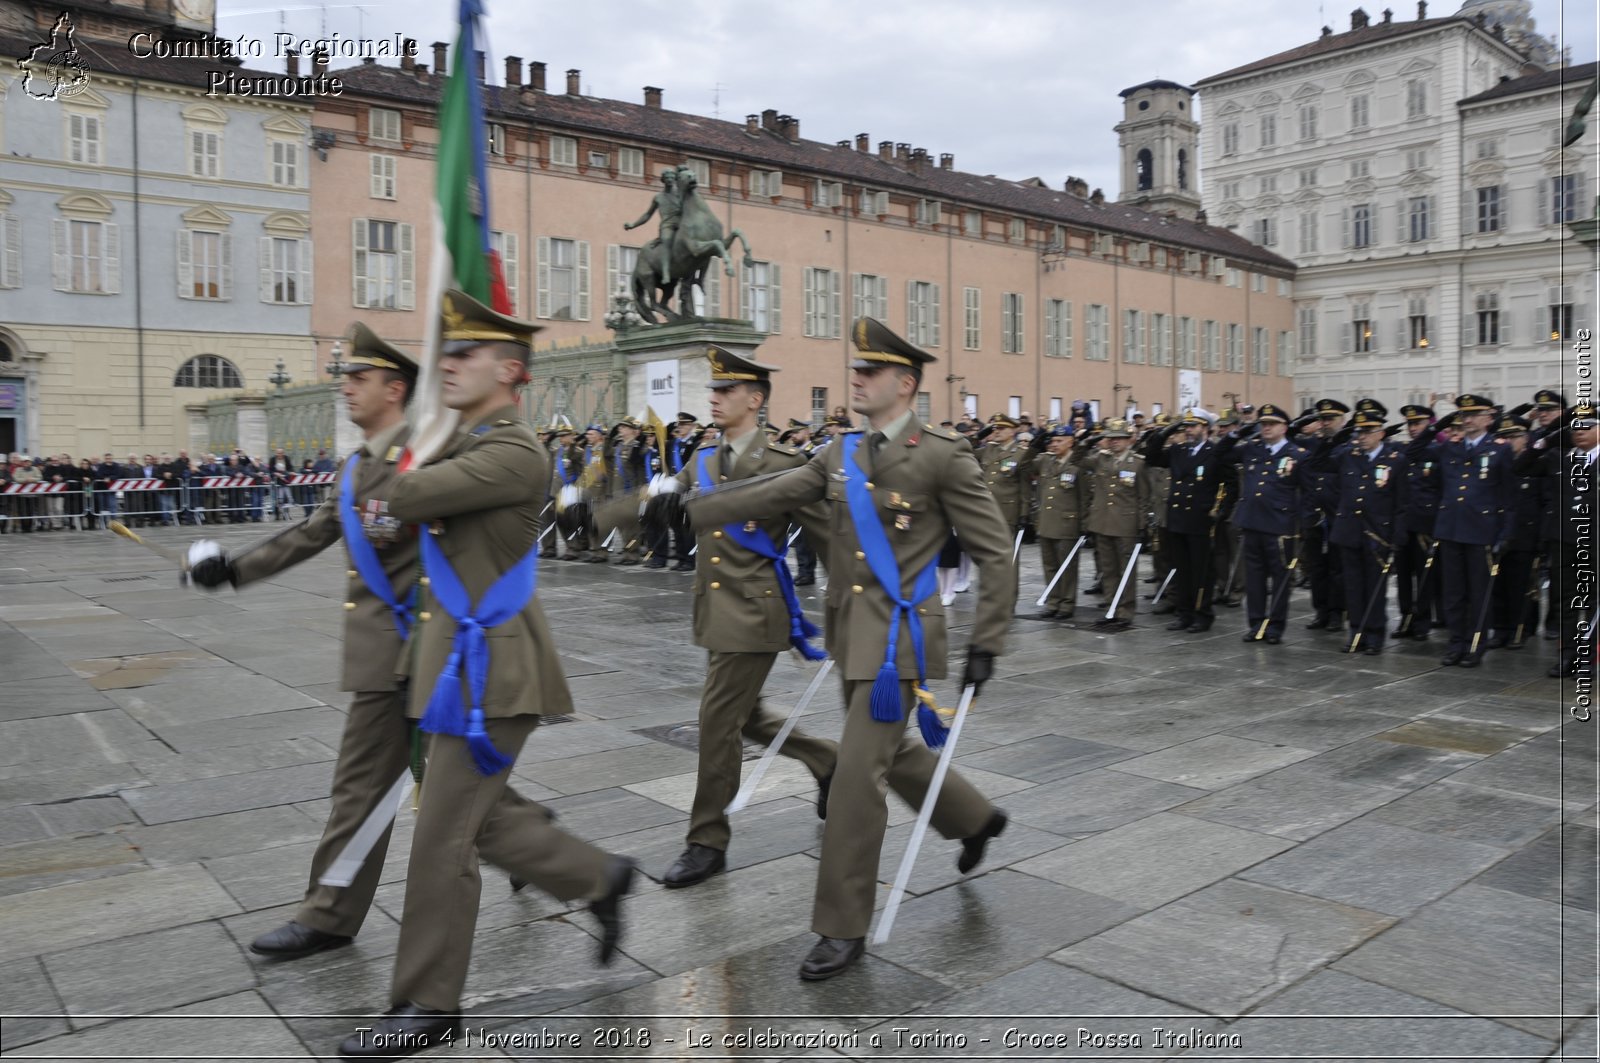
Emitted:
pixel 463 257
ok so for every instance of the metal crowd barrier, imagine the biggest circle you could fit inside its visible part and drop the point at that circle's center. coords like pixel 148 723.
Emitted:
pixel 148 502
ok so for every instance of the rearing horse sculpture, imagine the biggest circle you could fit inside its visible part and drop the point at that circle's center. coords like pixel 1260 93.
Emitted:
pixel 663 271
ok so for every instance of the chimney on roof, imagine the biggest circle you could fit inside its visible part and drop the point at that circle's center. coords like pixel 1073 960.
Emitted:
pixel 408 61
pixel 886 150
pixel 1422 10
pixel 292 59
pixel 481 66
pixel 863 142
pixel 1327 31
pixel 513 71
pixel 790 126
pixel 902 152
pixel 1077 186
pixel 1098 198
pixel 1358 19
pixel 652 97
pixel 536 76
pixel 319 63
pixel 574 77
pixel 421 70
pixel 752 123
pixel 1388 15
pixel 769 120
pixel 947 161
pixel 441 58
pixel 369 60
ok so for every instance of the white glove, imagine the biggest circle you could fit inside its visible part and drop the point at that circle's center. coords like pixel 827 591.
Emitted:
pixel 201 549
pixel 570 495
pixel 662 484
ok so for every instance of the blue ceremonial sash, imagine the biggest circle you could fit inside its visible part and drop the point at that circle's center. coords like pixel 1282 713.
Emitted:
pixel 364 555
pixel 757 541
pixel 503 601
pixel 569 475
pixel 886 569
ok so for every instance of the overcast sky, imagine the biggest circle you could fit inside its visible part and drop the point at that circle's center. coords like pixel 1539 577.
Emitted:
pixel 1021 88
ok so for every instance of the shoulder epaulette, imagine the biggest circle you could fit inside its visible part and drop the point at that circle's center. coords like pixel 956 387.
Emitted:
pixel 784 448
pixel 936 432
pixel 708 445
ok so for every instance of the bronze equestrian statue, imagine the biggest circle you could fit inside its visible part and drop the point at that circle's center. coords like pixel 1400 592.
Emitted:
pixel 675 263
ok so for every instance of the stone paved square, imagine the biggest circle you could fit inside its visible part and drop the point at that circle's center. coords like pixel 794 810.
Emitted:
pixel 1286 847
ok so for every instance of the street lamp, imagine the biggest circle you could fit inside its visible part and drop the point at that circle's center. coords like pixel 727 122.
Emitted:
pixel 336 366
pixel 279 375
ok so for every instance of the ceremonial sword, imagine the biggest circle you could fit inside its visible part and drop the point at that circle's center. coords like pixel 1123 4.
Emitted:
pixel 748 790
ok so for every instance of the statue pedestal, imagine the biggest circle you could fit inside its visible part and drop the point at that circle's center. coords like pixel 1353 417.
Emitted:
pixel 667 366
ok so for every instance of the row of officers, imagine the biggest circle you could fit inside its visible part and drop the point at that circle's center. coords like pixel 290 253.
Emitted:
pixel 1470 514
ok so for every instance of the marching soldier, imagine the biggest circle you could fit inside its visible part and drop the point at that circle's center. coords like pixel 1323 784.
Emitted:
pixel 483 668
pixel 681 446
pixel 1193 467
pixel 1474 525
pixel 895 490
pixel 1269 484
pixel 1416 582
pixel 1368 520
pixel 746 612
pixel 1061 511
pixel 1118 509
pixel 382 554
pixel 1319 495
pixel 625 461
pixel 594 481
pixel 1514 612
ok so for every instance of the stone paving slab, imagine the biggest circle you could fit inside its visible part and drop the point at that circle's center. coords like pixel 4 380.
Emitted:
pixel 239 1026
pixel 58 695
pixel 33 1011
pixel 198 698
pixel 228 834
pixel 1290 803
pixel 1459 810
pixel 230 793
pixel 1214 763
pixel 1559 867
pixel 1046 758
pixel 49 862
pixel 1095 801
pixel 125 977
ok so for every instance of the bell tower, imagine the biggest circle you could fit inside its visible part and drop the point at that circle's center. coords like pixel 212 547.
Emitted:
pixel 1160 143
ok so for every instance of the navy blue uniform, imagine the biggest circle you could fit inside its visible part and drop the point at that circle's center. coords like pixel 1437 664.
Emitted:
pixel 1319 559
pixel 1190 528
pixel 1514 613
pixel 1269 486
pixel 1366 528
pixel 1418 585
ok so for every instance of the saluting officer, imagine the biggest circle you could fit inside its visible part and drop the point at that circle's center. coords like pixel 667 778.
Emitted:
pixel 483 669
pixel 746 612
pixel 373 751
pixel 895 490
pixel 1118 510
pixel 1061 512
pixel 1319 494
pixel 1477 510
pixel 1007 465
pixel 1417 585
pixel 1269 486
pixel 1192 463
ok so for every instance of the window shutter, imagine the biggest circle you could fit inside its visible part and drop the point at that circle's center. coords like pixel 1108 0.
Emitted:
pixel 712 289
pixel 1469 330
pixel 303 293
pixel 775 183
pixel 1430 330
pixel 1433 216
pixel 1346 337
pixel 1049 331
pixel 358 262
pixel 746 282
pixel 11 274
pixel 858 298
pixel 911 311
pixel 808 278
pixel 111 258
pixel 933 340
pixel 60 263
pixel 1344 227
pixel 1402 332
pixel 542 278
pixel 1505 326
pixel 833 304
pixel 408 273
pixel 613 266
pixel 775 296
pixel 583 280
pixel 375 183
pixel 185 264
pixel 1543 185
pixel 1505 208
pixel 263 269
pixel 880 309
pixel 226 243
pixel 511 266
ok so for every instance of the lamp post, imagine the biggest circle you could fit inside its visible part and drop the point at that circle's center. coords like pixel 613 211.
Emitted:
pixel 335 367
pixel 279 376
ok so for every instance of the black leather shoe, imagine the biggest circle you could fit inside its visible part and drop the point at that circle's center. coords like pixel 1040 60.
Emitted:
pixel 824 784
pixel 1471 660
pixel 1273 640
pixel 656 562
pixel 1499 642
pixel 292 941
pixel 803 581
pixel 608 909
pixel 1562 668
pixel 687 566
pixel 1400 633
pixel 1372 649
pixel 1098 588
pixel 1065 614
pixel 1179 624
pixel 403 1031
pixel 972 848
pixel 1198 627
pixel 1249 636
pixel 1420 634
pixel 1163 609
pixel 696 864
pixel 1047 614
pixel 1451 659
pixel 829 956
pixel 1318 622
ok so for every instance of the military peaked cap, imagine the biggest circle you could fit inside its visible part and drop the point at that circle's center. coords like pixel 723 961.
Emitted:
pixel 1372 406
pixel 1474 403
pixel 368 351
pixel 1330 408
pixel 729 368
pixel 1271 412
pixel 877 346
pixel 1549 399
pixel 467 322
pixel 1413 412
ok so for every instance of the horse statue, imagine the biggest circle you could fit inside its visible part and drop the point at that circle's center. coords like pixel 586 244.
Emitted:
pixel 675 263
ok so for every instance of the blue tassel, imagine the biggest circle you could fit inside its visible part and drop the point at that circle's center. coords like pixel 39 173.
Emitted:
pixel 800 630
pixel 808 651
pixel 485 757
pixel 443 715
pixel 886 694
pixel 934 732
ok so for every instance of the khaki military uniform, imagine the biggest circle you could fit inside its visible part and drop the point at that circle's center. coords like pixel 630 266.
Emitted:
pixel 1158 486
pixel 924 482
pixel 1007 471
pixel 1117 513
pixel 741 619
pixel 1062 492
pixel 375 746
pixel 481 498
pixel 630 458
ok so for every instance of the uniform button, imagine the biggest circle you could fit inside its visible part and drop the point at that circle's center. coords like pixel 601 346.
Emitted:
pixel 425 581
pixel 716 534
pixel 860 556
pixel 921 610
pixel 855 588
pixel 352 573
pixel 769 594
pixel 715 586
pixel 424 616
pixel 349 605
pixel 716 560
pixel 869 485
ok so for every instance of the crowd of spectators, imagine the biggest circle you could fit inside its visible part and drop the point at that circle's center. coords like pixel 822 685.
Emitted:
pixel 91 498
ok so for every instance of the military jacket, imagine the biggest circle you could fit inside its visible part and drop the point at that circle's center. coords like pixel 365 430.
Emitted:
pixel 1423 488
pixel 1195 484
pixel 372 643
pixel 1062 492
pixel 738 605
pixel 626 466
pixel 924 482
pixel 1269 485
pixel 1477 504
pixel 481 498
pixel 1372 494
pixel 1006 470
pixel 1119 497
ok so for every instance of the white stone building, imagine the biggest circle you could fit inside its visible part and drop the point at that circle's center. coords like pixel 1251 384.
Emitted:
pixel 1414 171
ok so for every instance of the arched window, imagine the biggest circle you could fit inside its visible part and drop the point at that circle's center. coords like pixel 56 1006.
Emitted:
pixel 208 371
pixel 1183 169
pixel 1144 164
